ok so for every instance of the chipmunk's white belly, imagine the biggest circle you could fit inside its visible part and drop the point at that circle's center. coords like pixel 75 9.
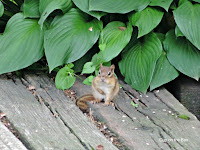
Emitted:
pixel 105 89
pixel 98 95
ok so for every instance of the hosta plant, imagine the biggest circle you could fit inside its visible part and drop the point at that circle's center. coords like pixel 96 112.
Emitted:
pixel 150 40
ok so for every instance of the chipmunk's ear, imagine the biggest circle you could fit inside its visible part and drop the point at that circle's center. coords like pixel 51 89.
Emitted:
pixel 112 67
pixel 101 65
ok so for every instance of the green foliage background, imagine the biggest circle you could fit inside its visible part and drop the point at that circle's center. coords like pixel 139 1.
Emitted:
pixel 151 40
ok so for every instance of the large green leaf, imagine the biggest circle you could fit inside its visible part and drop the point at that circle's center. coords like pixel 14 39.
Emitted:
pixel 31 8
pixel 139 60
pixel 188 21
pixel 182 55
pixel 1 9
pixel 146 20
pixel 162 3
pixel 117 6
pixel 21 44
pixel 84 6
pixel 70 36
pixel 164 72
pixel 115 36
pixel 48 6
pixel 197 1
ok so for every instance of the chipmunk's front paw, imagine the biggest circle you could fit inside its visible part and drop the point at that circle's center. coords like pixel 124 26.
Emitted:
pixel 109 103
pixel 106 104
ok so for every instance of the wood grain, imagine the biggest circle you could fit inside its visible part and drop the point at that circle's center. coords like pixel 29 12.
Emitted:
pixel 8 141
pixel 47 119
pixel 153 125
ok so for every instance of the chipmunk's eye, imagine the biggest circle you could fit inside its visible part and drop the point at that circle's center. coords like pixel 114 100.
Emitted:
pixel 99 72
pixel 109 73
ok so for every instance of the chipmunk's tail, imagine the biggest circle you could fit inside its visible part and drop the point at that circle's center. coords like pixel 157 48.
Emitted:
pixel 81 101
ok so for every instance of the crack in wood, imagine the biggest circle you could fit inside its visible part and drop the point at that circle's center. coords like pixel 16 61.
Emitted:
pixel 165 103
pixel 129 94
pixel 153 109
pixel 143 95
pixel 39 98
pixel 173 110
pixel 133 97
pixel 162 122
pixel 71 130
pixel 55 113
pixel 160 128
pixel 24 82
pixel 15 132
pixel 120 110
pixel 156 143
pixel 50 108
pixel 11 78
pixel 166 142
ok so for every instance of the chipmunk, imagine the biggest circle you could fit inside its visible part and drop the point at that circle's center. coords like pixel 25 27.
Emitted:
pixel 104 86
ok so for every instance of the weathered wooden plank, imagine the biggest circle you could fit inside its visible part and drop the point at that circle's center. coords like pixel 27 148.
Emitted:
pixel 174 128
pixel 37 127
pixel 8 141
pixel 187 91
pixel 69 113
pixel 153 125
pixel 133 130
pixel 187 129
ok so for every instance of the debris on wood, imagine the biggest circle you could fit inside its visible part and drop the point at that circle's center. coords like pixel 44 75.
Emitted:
pixel 31 87
pixel 5 121
pixel 99 147
pixel 71 94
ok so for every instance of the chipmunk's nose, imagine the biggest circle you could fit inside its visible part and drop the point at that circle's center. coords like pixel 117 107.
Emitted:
pixel 102 79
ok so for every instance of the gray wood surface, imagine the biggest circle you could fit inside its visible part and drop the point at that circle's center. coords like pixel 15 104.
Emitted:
pixel 8 141
pixel 153 125
pixel 47 119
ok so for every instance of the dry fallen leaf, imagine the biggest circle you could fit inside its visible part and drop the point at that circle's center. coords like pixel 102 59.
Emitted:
pixel 99 147
pixel 2 115
pixel 70 93
pixel 122 28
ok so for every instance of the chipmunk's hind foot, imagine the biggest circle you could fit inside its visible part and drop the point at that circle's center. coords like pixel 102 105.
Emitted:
pixel 96 101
